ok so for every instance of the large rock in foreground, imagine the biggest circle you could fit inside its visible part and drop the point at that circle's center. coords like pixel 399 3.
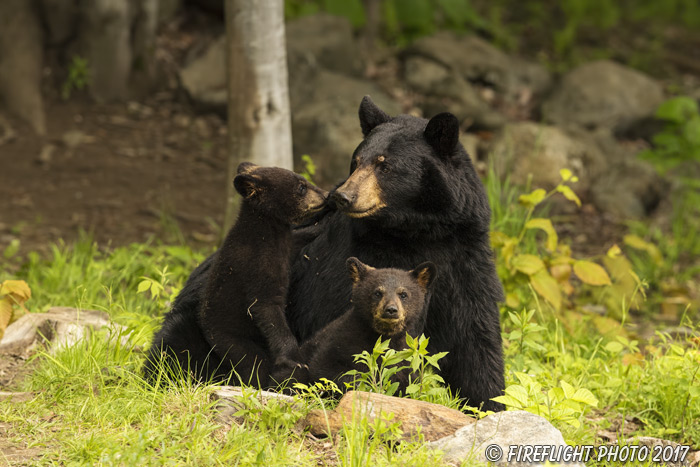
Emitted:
pixel 432 421
pixel 490 439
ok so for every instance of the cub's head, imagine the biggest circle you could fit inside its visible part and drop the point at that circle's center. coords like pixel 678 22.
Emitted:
pixel 393 299
pixel 404 165
pixel 279 193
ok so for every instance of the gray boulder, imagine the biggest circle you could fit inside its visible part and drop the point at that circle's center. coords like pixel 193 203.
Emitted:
pixel 204 78
pixel 603 94
pixel 326 40
pixel 314 43
pixel 60 327
pixel 477 61
pixel 527 149
pixel 484 440
pixel 630 189
pixel 324 119
pixel 448 91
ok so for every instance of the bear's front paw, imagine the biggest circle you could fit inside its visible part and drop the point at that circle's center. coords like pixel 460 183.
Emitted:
pixel 290 371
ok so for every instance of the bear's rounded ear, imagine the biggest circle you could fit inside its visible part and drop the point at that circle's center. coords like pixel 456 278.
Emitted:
pixel 425 274
pixel 442 133
pixel 246 185
pixel 371 115
pixel 357 269
pixel 246 167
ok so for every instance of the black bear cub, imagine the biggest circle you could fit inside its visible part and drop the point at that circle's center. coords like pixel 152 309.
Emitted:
pixel 241 318
pixel 242 315
pixel 385 302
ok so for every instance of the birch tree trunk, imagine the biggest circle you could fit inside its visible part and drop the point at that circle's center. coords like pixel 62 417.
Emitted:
pixel 259 121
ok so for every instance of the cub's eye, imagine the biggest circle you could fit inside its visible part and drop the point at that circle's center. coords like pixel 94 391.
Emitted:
pixel 384 168
pixel 377 294
pixel 403 295
pixel 302 189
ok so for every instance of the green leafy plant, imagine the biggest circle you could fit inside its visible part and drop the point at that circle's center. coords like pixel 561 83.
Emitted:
pixel 548 269
pixel 383 363
pixel 78 76
pixel 159 289
pixel 679 140
pixel 564 403
pixel 309 168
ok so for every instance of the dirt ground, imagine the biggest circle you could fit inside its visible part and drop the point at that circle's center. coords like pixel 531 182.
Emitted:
pixel 123 172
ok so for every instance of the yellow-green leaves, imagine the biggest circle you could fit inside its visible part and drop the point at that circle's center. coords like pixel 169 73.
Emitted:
pixel 532 199
pixel 569 194
pixel 527 264
pixel 591 273
pixel 13 294
pixel 545 285
pixel 639 244
pixel 543 264
pixel 564 403
pixel 546 225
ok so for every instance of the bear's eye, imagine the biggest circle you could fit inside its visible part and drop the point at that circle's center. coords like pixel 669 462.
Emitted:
pixel 403 295
pixel 302 189
pixel 384 167
pixel 377 294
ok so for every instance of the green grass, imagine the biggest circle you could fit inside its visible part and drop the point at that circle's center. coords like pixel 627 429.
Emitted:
pixel 93 408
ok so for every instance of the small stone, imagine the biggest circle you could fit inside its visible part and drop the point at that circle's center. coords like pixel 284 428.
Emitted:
pixel 202 128
pixel 182 120
pixel 46 154
pixel 60 326
pixel 74 138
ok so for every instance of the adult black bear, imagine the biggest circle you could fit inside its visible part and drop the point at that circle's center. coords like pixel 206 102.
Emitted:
pixel 412 195
pixel 385 302
pixel 241 313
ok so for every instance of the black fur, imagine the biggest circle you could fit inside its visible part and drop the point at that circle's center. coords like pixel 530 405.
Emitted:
pixel 241 312
pixel 371 115
pixel 435 209
pixel 329 353
pixel 463 317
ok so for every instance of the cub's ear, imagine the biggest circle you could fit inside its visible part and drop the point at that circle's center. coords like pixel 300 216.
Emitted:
pixel 246 167
pixel 425 274
pixel 442 133
pixel 371 115
pixel 246 185
pixel 357 269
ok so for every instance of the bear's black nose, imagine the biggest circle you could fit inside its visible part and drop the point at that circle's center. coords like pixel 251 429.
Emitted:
pixel 391 311
pixel 342 200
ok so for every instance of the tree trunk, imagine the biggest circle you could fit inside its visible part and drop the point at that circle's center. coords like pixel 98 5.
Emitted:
pixel 259 122
pixel 21 62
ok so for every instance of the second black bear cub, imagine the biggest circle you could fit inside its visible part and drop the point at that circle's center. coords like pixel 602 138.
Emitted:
pixel 242 312
pixel 385 302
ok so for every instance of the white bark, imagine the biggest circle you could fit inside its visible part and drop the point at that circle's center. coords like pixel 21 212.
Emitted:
pixel 259 121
